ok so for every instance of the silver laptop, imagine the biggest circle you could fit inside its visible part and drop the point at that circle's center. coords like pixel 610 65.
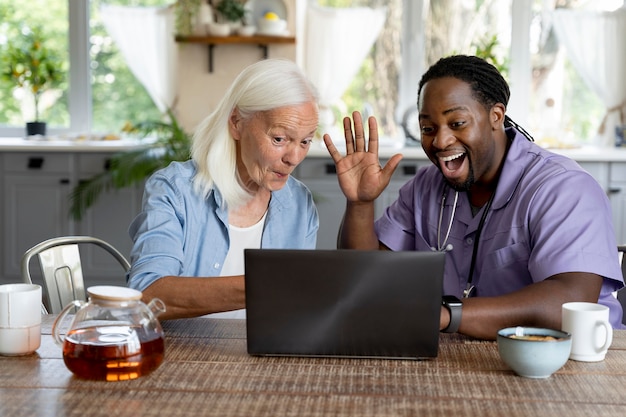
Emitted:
pixel 344 303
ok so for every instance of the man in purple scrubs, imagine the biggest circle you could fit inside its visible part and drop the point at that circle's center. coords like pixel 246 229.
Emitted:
pixel 525 230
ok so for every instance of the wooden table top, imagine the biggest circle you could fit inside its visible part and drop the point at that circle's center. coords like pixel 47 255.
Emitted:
pixel 207 372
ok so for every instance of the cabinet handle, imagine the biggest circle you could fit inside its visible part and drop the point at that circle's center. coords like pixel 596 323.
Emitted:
pixel 35 162
pixel 614 190
pixel 330 168
pixel 107 164
pixel 409 169
pixel 64 181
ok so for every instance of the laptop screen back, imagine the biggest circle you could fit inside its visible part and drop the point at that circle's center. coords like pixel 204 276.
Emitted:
pixel 345 303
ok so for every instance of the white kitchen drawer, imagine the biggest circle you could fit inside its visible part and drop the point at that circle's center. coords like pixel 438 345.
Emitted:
pixel 618 171
pixel 317 168
pixel 93 163
pixel 44 162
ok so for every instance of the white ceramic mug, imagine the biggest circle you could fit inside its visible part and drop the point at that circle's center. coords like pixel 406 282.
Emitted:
pixel 20 318
pixel 591 331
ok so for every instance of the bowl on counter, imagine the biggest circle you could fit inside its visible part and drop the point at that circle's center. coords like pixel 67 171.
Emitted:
pixel 534 352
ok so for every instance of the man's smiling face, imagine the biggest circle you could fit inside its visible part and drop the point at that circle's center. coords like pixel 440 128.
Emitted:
pixel 458 132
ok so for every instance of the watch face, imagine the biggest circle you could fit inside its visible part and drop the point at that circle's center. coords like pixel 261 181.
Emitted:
pixel 451 300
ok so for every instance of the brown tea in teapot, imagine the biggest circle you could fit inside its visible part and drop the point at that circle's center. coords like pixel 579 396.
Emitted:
pixel 111 353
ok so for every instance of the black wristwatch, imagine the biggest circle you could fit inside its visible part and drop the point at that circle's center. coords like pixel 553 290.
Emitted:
pixel 454 306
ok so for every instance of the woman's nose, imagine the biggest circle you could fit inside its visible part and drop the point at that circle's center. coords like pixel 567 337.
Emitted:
pixel 294 155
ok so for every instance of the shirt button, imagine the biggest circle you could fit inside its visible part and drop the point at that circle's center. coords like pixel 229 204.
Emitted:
pixel 216 265
pixel 469 241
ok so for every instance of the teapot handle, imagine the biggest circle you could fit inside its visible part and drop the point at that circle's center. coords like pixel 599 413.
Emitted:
pixel 57 322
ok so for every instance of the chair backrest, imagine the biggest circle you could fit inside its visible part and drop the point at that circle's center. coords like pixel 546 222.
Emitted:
pixel 61 269
pixel 621 294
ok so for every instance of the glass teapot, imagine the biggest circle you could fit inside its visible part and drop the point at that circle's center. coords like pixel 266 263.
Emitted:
pixel 114 336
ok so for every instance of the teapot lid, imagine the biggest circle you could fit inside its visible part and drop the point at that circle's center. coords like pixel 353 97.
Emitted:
pixel 113 293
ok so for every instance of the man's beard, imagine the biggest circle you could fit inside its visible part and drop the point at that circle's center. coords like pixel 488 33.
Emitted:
pixel 465 185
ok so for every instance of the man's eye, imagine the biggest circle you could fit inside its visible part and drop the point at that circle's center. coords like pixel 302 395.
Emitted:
pixel 457 124
pixel 307 142
pixel 426 130
pixel 278 139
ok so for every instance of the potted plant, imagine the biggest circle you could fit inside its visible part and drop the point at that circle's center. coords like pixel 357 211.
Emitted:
pixel 231 11
pixel 29 64
pixel 127 168
pixel 186 12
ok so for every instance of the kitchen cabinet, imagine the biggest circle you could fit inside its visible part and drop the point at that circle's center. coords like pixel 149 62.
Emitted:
pixel 319 176
pixel 108 219
pixel 36 189
pixel 36 180
pixel 318 173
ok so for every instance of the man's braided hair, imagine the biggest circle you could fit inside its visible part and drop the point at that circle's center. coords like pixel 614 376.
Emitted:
pixel 488 85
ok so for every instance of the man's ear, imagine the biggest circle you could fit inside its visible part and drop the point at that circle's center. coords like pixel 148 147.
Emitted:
pixel 496 116
pixel 234 124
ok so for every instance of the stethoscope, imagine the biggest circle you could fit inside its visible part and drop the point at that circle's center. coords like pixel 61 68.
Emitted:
pixel 447 247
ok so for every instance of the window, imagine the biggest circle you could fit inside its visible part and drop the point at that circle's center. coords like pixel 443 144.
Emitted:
pixel 98 93
pixel 548 97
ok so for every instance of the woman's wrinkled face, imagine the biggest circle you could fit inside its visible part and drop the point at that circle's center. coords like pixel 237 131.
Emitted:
pixel 458 132
pixel 270 144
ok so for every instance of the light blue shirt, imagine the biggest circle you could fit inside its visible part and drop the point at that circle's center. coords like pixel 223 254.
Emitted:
pixel 549 216
pixel 181 233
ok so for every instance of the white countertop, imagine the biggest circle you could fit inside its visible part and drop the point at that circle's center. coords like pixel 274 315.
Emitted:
pixel 582 154
pixel 69 145
pixel 318 149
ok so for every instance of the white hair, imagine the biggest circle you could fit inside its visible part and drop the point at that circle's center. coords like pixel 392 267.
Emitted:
pixel 263 86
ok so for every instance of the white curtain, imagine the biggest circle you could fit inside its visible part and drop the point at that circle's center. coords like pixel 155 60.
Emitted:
pixel 145 37
pixel 337 41
pixel 596 44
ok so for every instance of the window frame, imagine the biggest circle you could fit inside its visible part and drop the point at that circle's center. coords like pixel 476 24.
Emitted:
pixel 79 95
pixel 413 64
pixel 413 57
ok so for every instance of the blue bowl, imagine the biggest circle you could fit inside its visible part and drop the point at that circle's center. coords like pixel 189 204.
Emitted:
pixel 534 352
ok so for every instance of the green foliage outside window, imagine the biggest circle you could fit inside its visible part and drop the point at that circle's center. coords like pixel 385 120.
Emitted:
pixel 27 63
pixel 17 17
pixel 117 96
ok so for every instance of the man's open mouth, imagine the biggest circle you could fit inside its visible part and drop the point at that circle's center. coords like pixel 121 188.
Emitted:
pixel 452 162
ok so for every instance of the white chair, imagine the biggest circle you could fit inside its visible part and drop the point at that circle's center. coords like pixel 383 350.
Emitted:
pixel 60 263
pixel 621 294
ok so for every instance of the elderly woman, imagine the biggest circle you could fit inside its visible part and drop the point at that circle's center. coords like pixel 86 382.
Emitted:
pixel 235 193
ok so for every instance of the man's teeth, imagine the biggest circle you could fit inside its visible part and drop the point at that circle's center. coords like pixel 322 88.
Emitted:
pixel 451 157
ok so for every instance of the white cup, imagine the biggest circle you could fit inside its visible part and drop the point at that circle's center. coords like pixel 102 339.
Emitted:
pixel 20 319
pixel 591 331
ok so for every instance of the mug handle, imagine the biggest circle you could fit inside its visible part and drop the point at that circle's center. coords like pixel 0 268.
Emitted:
pixel 57 322
pixel 609 335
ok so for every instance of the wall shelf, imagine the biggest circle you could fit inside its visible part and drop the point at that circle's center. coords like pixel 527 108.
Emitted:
pixel 263 41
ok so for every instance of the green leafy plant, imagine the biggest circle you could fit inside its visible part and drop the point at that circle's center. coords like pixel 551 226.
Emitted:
pixel 231 10
pixel 486 48
pixel 27 63
pixel 185 12
pixel 132 167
